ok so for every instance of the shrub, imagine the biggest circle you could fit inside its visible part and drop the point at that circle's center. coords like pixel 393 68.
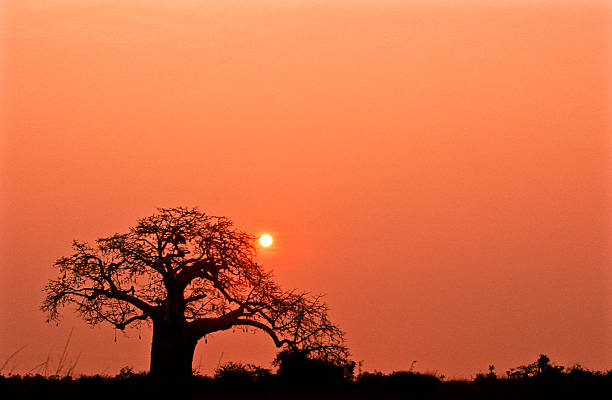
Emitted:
pixel 239 374
pixel 298 368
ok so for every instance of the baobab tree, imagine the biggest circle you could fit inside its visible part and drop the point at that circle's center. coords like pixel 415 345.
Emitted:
pixel 188 274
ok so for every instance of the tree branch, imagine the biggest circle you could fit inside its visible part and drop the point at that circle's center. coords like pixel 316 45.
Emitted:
pixel 120 295
pixel 142 317
pixel 277 342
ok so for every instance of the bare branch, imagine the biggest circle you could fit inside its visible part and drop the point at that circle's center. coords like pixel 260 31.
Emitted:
pixel 193 272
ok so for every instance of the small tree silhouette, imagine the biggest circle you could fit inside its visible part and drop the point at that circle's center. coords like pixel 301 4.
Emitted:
pixel 189 274
pixel 541 367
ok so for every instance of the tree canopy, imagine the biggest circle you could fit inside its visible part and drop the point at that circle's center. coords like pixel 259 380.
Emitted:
pixel 194 273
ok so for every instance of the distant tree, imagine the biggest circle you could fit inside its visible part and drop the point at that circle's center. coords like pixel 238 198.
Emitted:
pixel 188 274
pixel 491 374
pixel 540 367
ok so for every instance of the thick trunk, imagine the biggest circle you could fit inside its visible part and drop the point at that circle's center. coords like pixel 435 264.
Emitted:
pixel 171 351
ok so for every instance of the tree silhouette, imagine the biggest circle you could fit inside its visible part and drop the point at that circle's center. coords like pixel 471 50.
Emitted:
pixel 189 274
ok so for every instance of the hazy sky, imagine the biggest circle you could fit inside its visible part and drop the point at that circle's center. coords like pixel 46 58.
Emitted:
pixel 441 171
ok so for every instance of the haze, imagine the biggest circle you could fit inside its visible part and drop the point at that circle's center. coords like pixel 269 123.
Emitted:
pixel 441 171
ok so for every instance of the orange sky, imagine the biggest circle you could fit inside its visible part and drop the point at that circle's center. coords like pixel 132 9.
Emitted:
pixel 441 171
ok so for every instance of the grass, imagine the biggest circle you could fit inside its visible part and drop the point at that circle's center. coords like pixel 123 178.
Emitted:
pixel 64 366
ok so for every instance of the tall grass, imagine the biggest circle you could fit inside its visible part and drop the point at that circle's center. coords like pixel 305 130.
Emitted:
pixel 65 365
pixel 10 357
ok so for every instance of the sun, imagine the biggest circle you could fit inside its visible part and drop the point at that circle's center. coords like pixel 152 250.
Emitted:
pixel 266 240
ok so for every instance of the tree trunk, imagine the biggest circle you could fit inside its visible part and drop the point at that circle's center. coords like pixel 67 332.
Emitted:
pixel 171 351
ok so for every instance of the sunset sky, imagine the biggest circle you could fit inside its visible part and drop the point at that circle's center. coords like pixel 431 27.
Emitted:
pixel 441 171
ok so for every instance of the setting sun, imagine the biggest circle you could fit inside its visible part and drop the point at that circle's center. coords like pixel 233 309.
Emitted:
pixel 266 240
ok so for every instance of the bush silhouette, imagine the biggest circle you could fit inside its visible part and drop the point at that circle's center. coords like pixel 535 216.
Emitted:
pixel 237 374
pixel 298 368
pixel 541 368
pixel 404 381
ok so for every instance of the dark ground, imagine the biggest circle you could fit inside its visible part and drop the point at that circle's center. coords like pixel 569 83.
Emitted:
pixel 398 385
pixel 300 377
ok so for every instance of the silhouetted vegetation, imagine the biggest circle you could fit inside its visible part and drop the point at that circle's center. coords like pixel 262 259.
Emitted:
pixel 234 374
pixel 301 376
pixel 188 274
pixel 299 369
